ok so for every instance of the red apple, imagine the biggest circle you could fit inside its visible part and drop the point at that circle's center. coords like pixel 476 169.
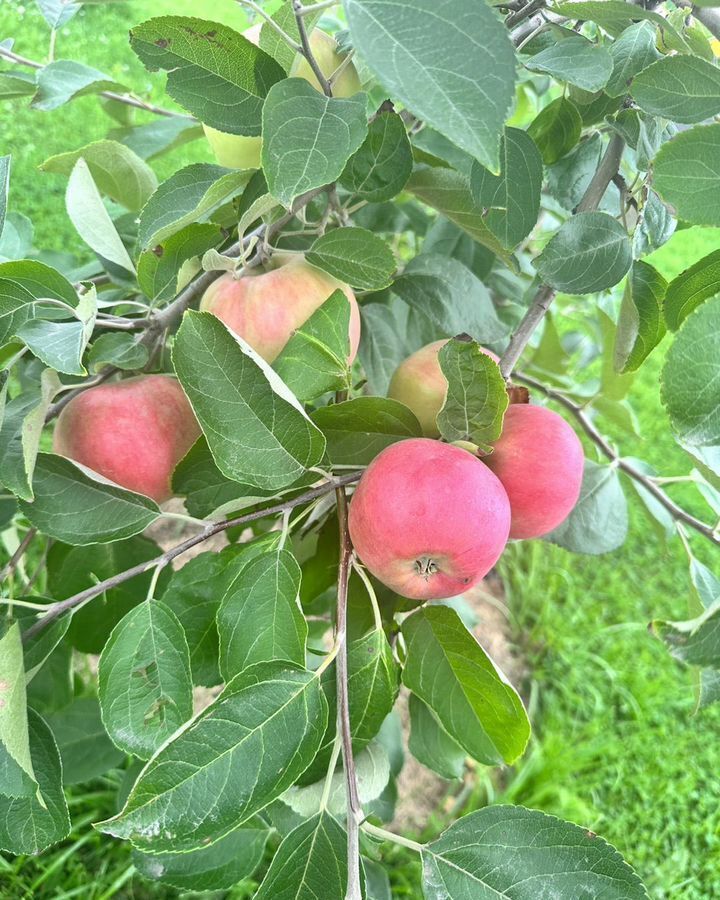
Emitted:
pixel 419 383
pixel 265 309
pixel 133 432
pixel 427 520
pixel 539 460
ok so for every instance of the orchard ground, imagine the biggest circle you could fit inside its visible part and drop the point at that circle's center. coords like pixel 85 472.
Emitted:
pixel 616 747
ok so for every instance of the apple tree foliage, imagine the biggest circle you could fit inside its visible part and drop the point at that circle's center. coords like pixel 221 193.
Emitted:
pixel 503 175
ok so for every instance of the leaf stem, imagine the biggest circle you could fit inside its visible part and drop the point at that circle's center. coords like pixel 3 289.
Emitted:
pixel 384 835
pixel 354 808
pixel 327 787
pixel 210 529
pixel 12 563
pixel 363 575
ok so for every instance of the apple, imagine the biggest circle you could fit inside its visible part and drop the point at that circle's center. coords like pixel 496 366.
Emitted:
pixel 237 151
pixel 539 460
pixel 132 432
pixel 427 520
pixel 266 309
pixel 419 383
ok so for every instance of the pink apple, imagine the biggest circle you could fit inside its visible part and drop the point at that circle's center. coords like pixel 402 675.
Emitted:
pixel 539 460
pixel 265 309
pixel 427 520
pixel 133 432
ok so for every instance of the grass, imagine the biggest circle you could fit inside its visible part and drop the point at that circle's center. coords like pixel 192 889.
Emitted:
pixel 616 747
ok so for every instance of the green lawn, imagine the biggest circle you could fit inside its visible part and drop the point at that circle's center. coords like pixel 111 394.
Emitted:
pixel 616 746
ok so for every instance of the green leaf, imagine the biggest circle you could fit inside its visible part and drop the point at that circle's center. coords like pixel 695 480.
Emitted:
pixel 266 595
pixel 144 680
pixel 449 192
pixel 612 15
pixel 655 228
pixel 476 397
pixel 72 507
pixel 58 12
pixel 22 283
pixel 633 51
pixel 74 569
pixel 556 129
pixel 218 867
pixel 27 824
pixel 569 178
pixel 694 153
pixel 118 349
pixel 691 377
pixel 191 195
pixel 208 493
pixel 158 269
pixel 41 645
pixel 92 222
pixel 690 288
pixel 16 239
pixel 513 197
pixel 444 238
pixel 681 88
pixel 311 862
pixel 373 681
pixel 65 79
pixel 372 770
pixel 158 136
pixel 431 745
pixel 17 84
pixel 576 60
pixel 257 431
pixel 590 252
pixel 450 672
pixel 61 345
pixel 193 594
pixel 451 297
pixel 358 429
pixel 5 187
pixel 599 522
pixel 20 435
pixel 16 770
pixel 451 63
pixel 214 72
pixel 640 326
pixel 380 169
pixel 118 172
pixel 696 641
pixel 314 360
pixel 355 256
pixel 307 137
pixel 85 749
pixel 524 854
pixel 273 43
pixel 660 517
pixel 236 752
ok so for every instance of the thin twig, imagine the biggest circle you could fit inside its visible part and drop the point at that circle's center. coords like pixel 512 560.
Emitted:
pixel 250 4
pixel 354 808
pixel 306 49
pixel 316 7
pixel 516 18
pixel 12 563
pixel 127 99
pixel 58 608
pixel 545 294
pixel 648 483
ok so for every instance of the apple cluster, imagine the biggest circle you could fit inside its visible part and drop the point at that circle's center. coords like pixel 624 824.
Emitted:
pixel 428 519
